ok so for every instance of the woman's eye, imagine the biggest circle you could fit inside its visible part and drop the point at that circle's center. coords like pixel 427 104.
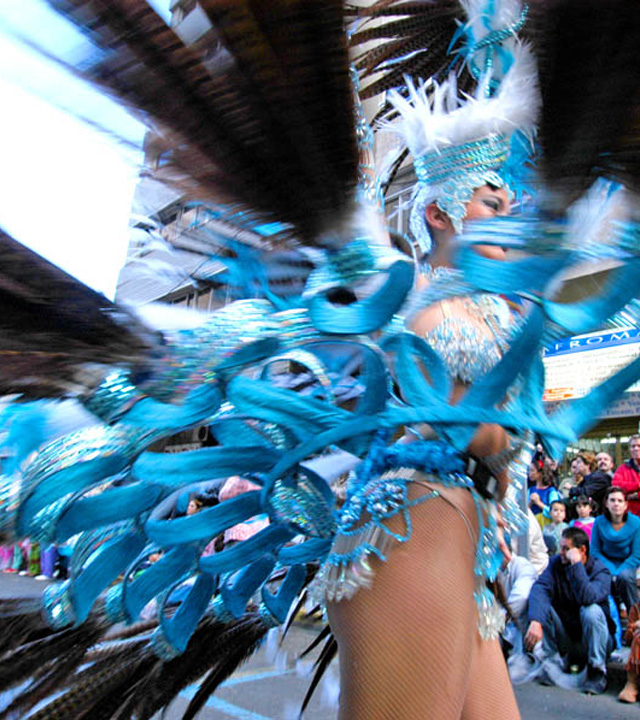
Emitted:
pixel 491 204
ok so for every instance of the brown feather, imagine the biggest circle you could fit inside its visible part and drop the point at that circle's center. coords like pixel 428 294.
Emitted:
pixel 268 119
pixel 53 328
pixel 589 60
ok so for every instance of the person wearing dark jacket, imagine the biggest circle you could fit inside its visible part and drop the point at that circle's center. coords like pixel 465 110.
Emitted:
pixel 569 609
pixel 594 483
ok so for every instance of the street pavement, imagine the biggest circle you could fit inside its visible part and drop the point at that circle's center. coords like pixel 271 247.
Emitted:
pixel 272 685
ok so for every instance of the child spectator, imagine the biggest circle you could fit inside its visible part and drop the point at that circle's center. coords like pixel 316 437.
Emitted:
pixel 585 508
pixel 542 492
pixel 553 531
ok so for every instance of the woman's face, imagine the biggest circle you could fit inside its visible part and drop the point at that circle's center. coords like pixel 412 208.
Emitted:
pixel 193 507
pixel 582 467
pixel 617 504
pixel 488 202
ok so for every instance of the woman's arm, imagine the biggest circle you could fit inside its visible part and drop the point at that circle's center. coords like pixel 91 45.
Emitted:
pixel 489 439
pixel 633 561
pixel 553 496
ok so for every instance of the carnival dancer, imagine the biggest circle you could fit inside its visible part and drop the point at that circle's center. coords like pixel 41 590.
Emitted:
pixel 456 374
pixel 459 149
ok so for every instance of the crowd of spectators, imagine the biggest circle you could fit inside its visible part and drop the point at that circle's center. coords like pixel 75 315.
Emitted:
pixel 569 615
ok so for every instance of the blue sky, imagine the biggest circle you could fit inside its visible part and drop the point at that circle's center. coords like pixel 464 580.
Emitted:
pixel 65 188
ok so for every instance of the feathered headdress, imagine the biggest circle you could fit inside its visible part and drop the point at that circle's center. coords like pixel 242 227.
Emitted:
pixel 459 144
pixel 459 141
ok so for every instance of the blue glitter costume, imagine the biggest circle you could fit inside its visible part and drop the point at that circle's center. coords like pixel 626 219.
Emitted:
pixel 107 486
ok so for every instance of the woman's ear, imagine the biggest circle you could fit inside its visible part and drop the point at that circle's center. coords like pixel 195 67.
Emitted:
pixel 437 218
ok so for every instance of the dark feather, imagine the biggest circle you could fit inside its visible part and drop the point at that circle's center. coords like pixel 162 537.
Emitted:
pixel 50 676
pixel 123 678
pixel 269 118
pixel 21 620
pixel 329 651
pixel 17 665
pixel 322 635
pixel 589 60
pixel 234 650
pixel 292 614
pixel 415 43
pixel 53 329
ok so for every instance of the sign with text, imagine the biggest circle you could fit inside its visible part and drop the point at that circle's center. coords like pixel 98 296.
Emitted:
pixel 575 365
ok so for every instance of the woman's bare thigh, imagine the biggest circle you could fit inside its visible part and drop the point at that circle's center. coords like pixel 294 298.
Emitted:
pixel 405 644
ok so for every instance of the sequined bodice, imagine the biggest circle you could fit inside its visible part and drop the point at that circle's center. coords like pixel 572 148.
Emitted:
pixel 472 344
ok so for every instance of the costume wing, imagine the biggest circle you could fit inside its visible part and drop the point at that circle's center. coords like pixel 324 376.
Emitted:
pixel 57 335
pixel 267 121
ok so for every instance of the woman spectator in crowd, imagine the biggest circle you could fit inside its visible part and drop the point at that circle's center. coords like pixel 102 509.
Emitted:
pixel 594 483
pixel 585 509
pixel 615 541
pixel 542 491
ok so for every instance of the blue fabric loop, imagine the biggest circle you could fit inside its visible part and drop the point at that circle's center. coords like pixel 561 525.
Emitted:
pixel 454 415
pixel 332 355
pixel 317 482
pixel 269 540
pixel 353 426
pixel 304 552
pixel 620 287
pixel 499 276
pixel 237 432
pixel 416 389
pixel 84 474
pixel 304 416
pixel 238 589
pixel 160 576
pixel 251 353
pixel 204 525
pixel 106 564
pixel 198 405
pixel 366 315
pixel 279 603
pixel 120 503
pixel 179 469
pixel 179 629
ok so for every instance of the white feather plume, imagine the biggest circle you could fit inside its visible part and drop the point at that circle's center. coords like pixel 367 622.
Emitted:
pixel 500 13
pixel 434 116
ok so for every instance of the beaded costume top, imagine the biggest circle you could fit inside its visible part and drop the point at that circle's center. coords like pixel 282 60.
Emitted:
pixel 468 350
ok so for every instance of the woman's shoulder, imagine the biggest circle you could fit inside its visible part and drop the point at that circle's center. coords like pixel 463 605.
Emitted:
pixel 633 521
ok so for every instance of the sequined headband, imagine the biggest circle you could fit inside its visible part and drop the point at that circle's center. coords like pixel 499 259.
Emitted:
pixel 488 153
pixel 449 178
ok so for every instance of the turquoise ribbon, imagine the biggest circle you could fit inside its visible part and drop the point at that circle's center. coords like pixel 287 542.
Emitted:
pixel 202 526
pixel 366 315
pixel 178 630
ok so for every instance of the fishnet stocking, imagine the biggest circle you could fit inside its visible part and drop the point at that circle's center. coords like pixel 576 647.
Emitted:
pixel 409 646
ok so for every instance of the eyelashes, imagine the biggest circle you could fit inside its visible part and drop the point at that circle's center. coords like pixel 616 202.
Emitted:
pixel 494 205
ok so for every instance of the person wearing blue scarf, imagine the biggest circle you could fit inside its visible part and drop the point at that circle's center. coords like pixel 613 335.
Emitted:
pixel 615 541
